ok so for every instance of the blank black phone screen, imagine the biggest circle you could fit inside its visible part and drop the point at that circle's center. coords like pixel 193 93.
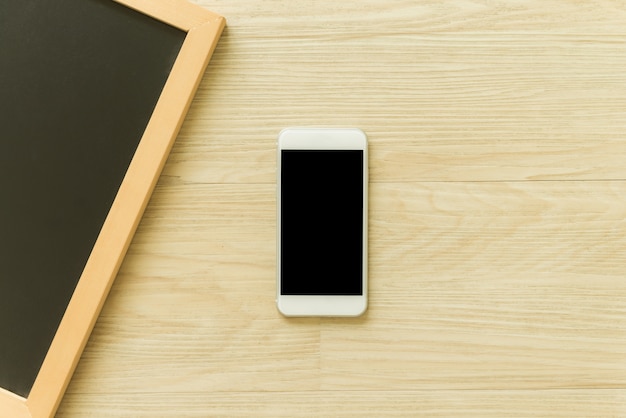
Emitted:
pixel 321 216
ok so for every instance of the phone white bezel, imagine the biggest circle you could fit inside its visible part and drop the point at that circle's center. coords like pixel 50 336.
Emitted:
pixel 322 139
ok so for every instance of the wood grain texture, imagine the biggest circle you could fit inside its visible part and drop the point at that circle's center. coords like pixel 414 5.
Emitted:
pixel 497 221
pixel 438 403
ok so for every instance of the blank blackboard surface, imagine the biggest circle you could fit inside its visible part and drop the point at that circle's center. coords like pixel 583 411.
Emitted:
pixel 79 82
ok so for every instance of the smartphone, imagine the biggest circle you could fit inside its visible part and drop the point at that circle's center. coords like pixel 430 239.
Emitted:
pixel 322 182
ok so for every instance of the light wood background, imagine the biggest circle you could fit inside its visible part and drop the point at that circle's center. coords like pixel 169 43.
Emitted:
pixel 497 221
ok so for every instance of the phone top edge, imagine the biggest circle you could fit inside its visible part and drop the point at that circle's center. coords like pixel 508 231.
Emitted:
pixel 322 138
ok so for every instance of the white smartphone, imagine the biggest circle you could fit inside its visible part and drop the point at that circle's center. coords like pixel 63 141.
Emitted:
pixel 322 182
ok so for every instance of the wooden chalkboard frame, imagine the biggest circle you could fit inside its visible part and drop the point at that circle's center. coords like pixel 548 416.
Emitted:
pixel 203 30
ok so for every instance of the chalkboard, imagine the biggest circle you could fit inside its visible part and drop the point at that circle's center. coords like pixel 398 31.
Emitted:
pixel 92 95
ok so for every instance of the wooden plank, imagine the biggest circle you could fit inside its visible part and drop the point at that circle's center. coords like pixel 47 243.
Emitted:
pixel 398 16
pixel 488 286
pixel 407 403
pixel 436 106
pixel 473 286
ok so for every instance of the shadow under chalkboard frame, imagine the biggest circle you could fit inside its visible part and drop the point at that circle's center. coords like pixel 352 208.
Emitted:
pixel 203 29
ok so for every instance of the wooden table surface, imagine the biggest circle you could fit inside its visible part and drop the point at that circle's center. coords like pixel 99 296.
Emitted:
pixel 497 221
